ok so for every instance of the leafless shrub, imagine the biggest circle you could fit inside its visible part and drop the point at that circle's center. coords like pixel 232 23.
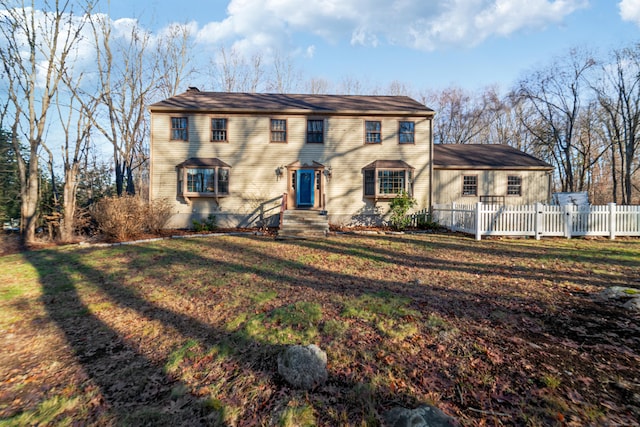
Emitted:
pixel 158 213
pixel 128 217
pixel 120 218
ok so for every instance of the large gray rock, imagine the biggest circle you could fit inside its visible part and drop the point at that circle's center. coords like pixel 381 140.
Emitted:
pixel 633 304
pixel 303 367
pixel 423 416
pixel 618 293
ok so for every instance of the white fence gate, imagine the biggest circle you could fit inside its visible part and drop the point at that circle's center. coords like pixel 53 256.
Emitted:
pixel 539 220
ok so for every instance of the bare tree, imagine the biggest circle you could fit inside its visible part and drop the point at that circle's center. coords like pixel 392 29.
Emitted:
pixel 175 54
pixel 318 86
pixel 461 115
pixel 398 88
pixel 285 78
pixel 127 75
pixel 350 85
pixel 235 73
pixel 556 95
pixel 619 95
pixel 76 124
pixel 38 46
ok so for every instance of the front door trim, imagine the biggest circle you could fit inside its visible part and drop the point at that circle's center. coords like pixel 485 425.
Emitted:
pixel 314 180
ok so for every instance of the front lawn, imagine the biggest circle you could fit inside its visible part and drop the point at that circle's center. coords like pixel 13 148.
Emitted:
pixel 187 331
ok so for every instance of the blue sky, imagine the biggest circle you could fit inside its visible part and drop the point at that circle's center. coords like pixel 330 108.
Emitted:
pixel 425 44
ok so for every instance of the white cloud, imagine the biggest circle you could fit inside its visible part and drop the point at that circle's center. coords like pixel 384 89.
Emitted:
pixel 419 24
pixel 630 10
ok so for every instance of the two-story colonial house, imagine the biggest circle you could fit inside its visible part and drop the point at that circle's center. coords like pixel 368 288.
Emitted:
pixel 237 155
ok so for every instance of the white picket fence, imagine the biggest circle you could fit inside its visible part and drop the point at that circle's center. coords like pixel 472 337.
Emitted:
pixel 539 220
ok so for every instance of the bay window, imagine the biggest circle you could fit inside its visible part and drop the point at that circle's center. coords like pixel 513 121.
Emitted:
pixel 385 179
pixel 203 177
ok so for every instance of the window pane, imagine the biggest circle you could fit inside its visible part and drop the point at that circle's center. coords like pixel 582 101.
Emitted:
pixel 514 185
pixel 179 128
pixel 278 130
pixel 218 129
pixel 391 182
pixel 372 132
pixel 315 130
pixel 470 185
pixel 406 132
pixel 201 180
pixel 223 181
pixel 369 182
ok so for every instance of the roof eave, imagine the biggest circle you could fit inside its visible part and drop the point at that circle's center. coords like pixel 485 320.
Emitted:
pixel 403 113
pixel 486 167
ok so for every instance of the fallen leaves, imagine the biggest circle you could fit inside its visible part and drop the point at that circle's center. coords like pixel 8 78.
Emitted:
pixel 475 334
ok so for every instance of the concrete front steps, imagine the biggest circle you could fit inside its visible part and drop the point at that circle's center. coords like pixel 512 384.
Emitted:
pixel 302 224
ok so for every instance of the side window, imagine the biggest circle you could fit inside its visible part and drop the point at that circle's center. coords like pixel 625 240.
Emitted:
pixel 470 185
pixel 514 185
pixel 370 182
pixel 179 129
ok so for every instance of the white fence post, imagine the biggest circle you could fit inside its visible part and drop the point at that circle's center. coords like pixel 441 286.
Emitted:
pixel 538 220
pixel 453 216
pixel 568 221
pixel 478 220
pixel 612 221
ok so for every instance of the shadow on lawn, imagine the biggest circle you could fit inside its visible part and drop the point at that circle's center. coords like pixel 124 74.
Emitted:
pixel 135 386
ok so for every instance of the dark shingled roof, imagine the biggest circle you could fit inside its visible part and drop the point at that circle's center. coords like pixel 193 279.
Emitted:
pixel 483 156
pixel 388 164
pixel 203 161
pixel 194 100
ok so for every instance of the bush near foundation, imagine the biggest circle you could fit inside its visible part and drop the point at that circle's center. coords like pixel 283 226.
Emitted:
pixel 129 217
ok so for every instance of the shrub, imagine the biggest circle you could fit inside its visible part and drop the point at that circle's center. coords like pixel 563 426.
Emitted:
pixel 128 217
pixel 426 223
pixel 399 207
pixel 158 213
pixel 120 218
pixel 208 224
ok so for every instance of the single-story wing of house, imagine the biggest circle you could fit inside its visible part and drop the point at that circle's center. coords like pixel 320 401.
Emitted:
pixel 244 157
pixel 490 173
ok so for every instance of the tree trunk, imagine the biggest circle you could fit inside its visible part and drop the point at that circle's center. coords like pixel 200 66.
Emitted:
pixel 67 225
pixel 30 198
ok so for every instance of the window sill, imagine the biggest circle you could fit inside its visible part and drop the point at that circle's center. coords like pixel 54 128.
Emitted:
pixel 205 195
pixel 382 197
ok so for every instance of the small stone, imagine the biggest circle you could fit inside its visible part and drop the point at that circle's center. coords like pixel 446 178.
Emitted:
pixel 423 416
pixel 633 304
pixel 303 367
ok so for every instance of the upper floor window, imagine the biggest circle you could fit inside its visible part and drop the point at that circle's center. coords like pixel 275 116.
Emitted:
pixel 514 185
pixel 278 130
pixel 470 185
pixel 315 131
pixel 179 128
pixel 406 132
pixel 372 132
pixel 387 178
pixel 219 130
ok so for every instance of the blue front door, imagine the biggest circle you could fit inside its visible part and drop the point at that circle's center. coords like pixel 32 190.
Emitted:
pixel 304 193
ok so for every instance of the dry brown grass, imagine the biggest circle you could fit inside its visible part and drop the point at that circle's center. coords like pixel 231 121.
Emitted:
pixel 498 332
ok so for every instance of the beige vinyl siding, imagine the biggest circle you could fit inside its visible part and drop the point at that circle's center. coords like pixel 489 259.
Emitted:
pixel 448 185
pixel 254 187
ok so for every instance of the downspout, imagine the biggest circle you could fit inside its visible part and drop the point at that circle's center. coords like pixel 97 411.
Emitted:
pixel 431 166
